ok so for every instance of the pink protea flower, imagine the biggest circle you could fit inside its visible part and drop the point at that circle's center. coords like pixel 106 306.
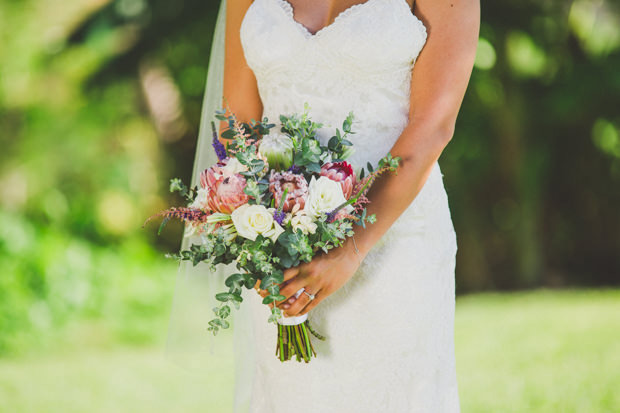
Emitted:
pixel 297 189
pixel 341 172
pixel 224 187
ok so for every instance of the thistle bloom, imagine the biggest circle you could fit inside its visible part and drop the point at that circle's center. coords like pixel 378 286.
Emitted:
pixel 224 186
pixel 341 172
pixel 295 185
pixel 278 149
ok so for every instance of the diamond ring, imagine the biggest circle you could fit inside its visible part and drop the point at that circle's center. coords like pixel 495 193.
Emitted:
pixel 311 296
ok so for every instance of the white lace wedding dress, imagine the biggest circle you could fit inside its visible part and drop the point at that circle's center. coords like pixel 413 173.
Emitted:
pixel 390 341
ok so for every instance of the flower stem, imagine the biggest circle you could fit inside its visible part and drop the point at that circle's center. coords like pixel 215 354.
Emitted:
pixel 295 341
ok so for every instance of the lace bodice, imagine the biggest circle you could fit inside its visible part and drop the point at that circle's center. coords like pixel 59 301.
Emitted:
pixel 361 62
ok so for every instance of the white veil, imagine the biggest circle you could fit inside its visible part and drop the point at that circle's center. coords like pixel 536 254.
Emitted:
pixel 189 343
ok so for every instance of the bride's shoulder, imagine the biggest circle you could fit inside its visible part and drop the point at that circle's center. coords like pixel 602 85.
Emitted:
pixel 238 6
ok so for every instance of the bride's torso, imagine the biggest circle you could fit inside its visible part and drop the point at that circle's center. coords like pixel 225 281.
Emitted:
pixel 361 62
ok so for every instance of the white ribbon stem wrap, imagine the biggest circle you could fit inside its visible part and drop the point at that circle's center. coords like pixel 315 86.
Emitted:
pixel 293 321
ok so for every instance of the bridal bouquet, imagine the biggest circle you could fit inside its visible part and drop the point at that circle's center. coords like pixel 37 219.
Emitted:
pixel 273 200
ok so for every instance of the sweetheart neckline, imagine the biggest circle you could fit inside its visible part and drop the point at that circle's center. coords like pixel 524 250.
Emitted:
pixel 287 8
pixel 342 14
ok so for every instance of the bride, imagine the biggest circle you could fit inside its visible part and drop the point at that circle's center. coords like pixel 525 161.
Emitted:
pixel 385 300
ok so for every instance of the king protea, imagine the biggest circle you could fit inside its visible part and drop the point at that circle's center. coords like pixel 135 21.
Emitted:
pixel 296 188
pixel 341 172
pixel 224 186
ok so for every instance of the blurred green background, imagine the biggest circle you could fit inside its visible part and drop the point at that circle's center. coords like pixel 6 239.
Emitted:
pixel 99 107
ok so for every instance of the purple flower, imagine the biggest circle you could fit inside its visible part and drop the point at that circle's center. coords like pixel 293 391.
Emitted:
pixel 220 150
pixel 295 169
pixel 331 217
pixel 279 216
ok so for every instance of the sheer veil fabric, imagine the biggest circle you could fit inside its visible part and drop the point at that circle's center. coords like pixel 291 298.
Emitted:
pixel 189 343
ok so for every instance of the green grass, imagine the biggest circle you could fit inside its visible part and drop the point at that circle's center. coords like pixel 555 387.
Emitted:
pixel 121 380
pixel 542 351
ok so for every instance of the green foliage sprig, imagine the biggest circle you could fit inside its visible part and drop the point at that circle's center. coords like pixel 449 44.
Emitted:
pixel 254 130
pixel 339 146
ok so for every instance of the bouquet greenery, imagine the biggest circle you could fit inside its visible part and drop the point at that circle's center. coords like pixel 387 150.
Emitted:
pixel 273 200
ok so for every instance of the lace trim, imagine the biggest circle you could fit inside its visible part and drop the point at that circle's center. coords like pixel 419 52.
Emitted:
pixel 287 7
pixel 421 26
pixel 419 23
pixel 346 12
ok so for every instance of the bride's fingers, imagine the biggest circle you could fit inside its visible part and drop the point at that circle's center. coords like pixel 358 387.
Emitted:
pixel 311 304
pixel 300 304
pixel 289 273
pixel 291 289
pixel 291 309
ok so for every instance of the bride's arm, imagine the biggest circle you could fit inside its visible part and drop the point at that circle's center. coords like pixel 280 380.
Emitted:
pixel 240 88
pixel 438 85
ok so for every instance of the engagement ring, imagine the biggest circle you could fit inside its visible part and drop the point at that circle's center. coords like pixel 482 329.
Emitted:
pixel 311 296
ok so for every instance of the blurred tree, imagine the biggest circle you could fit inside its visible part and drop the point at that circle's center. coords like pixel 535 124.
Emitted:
pixel 534 188
pixel 534 168
pixel 81 167
pixel 170 44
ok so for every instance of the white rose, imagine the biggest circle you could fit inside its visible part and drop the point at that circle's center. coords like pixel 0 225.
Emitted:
pixel 304 223
pixel 252 220
pixel 324 195
pixel 200 201
pixel 233 166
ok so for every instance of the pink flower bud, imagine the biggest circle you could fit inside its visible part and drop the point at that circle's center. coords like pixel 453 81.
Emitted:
pixel 341 172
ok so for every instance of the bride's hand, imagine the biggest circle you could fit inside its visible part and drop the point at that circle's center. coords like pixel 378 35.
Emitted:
pixel 322 276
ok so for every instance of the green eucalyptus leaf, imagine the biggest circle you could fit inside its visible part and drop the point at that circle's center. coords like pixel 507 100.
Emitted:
pixel 224 297
pixel 228 134
pixel 333 143
pixel 314 167
pixel 224 311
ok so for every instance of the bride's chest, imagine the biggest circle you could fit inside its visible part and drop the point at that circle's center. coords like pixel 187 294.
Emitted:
pixel 377 36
